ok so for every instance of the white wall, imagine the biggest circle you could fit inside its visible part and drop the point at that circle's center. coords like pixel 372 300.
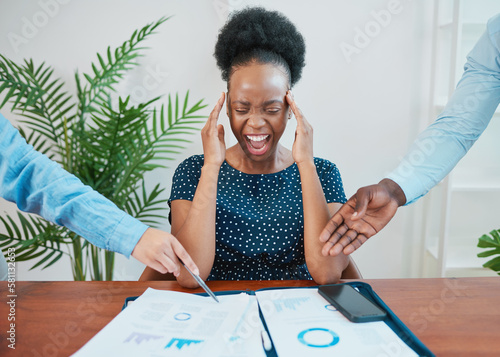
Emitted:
pixel 366 108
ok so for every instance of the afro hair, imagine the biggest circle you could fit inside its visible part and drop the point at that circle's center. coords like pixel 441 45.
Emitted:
pixel 257 34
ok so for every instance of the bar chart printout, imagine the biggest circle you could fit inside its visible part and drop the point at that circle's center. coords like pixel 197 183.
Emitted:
pixel 166 323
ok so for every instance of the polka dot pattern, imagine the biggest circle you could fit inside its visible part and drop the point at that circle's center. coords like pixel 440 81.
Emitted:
pixel 259 218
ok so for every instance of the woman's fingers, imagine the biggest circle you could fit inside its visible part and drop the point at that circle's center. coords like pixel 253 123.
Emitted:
pixel 295 109
pixel 212 135
pixel 214 115
pixel 302 149
pixel 220 132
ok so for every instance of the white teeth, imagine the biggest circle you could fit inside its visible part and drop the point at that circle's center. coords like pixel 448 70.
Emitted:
pixel 257 137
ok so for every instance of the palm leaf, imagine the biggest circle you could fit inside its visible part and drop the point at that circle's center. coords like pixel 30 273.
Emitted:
pixel 147 206
pixel 163 137
pixel 34 238
pixel 38 97
pixel 38 142
pixel 16 85
pixel 486 241
pixel 115 154
pixel 54 105
pixel 150 145
pixel 110 69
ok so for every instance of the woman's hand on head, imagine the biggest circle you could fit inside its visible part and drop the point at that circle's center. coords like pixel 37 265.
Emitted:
pixel 302 149
pixel 212 136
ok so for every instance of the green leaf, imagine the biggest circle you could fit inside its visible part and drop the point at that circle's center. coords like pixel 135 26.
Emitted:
pixel 176 106
pixel 110 57
pixel 26 254
pixel 493 264
pixel 7 227
pixel 489 253
pixel 89 79
pixel 47 257
pixel 184 107
pixel 170 119
pixel 14 226
pixel 9 95
pixel 486 242
pixel 19 83
pixel 125 55
pixel 101 61
pixel 496 236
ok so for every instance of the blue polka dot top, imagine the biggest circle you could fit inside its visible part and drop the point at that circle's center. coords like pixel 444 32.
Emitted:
pixel 259 218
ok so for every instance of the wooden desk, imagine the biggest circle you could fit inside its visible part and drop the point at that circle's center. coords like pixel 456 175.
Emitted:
pixel 453 317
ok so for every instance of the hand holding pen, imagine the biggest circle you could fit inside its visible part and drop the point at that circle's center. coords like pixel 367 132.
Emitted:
pixel 202 283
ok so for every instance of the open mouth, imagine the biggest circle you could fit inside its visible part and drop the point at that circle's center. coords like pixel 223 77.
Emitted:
pixel 257 144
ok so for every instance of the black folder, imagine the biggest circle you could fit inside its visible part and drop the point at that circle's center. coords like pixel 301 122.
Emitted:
pixel 366 290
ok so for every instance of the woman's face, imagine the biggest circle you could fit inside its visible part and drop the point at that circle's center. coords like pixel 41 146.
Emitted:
pixel 257 108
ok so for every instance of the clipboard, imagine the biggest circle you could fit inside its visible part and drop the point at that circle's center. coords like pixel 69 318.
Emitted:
pixel 391 320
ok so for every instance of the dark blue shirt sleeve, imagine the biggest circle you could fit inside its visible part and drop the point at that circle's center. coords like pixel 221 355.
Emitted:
pixel 186 177
pixel 331 181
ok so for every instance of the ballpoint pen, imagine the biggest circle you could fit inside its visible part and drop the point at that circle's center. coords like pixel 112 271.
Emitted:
pixel 201 282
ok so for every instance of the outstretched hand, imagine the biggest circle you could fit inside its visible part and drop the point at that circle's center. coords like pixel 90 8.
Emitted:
pixel 212 136
pixel 361 217
pixel 161 251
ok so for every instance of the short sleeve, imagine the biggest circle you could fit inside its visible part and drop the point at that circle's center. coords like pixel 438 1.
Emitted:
pixel 186 179
pixel 331 181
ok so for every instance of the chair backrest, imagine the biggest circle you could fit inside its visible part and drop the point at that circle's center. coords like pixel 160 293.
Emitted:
pixel 352 271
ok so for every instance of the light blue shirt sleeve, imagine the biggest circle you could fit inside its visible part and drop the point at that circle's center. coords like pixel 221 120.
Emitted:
pixel 440 147
pixel 39 185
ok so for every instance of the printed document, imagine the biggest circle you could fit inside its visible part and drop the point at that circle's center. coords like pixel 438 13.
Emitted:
pixel 300 322
pixel 167 323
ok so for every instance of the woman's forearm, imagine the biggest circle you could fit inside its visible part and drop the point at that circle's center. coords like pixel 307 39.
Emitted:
pixel 324 270
pixel 193 223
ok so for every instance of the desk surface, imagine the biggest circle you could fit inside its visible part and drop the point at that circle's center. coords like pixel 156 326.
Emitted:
pixel 453 317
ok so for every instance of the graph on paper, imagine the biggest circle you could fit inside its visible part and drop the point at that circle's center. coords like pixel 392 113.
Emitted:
pixel 289 304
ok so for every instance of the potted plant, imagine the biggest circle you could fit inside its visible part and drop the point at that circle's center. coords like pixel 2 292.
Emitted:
pixel 103 139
